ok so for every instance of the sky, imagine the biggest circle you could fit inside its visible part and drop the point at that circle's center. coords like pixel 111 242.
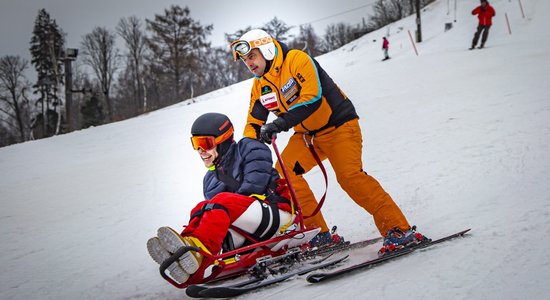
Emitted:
pixel 79 17
pixel 459 139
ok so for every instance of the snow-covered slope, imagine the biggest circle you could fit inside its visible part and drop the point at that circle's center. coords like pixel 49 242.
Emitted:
pixel 459 139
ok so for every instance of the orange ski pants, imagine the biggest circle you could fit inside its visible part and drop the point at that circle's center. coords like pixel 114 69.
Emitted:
pixel 343 148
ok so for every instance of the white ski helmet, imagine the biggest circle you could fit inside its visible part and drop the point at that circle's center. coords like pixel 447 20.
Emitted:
pixel 255 38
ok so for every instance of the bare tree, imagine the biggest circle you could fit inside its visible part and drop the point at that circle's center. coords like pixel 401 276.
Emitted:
pixel 217 73
pixel 389 11
pixel 131 30
pixel 84 86
pixel 100 53
pixel 337 35
pixel 308 41
pixel 14 103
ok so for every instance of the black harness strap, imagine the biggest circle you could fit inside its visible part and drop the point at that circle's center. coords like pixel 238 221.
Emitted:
pixel 264 224
pixel 209 207
pixel 275 221
pixel 265 220
pixel 227 243
pixel 267 216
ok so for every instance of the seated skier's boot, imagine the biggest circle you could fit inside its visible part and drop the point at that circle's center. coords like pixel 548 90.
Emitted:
pixel 172 241
pixel 397 239
pixel 159 254
pixel 325 240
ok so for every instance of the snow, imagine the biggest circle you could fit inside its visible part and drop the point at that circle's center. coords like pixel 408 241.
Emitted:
pixel 459 139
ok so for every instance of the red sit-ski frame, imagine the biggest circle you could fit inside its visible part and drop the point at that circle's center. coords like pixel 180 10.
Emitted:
pixel 238 261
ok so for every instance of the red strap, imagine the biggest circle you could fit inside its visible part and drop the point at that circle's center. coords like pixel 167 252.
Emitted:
pixel 320 164
pixel 294 200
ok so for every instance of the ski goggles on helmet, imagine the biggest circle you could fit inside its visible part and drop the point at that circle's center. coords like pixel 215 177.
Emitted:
pixel 241 47
pixel 207 142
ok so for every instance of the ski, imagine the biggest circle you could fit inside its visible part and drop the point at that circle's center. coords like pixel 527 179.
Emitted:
pixel 340 247
pixel 237 289
pixel 319 277
pixel 194 290
pixel 364 243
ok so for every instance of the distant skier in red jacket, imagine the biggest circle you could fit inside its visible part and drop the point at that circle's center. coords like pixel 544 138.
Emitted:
pixel 485 13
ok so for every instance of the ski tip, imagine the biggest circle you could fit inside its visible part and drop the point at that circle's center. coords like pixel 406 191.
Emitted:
pixel 193 291
pixel 465 231
pixel 315 278
pixel 222 292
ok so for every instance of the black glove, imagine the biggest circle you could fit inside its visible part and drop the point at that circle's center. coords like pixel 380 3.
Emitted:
pixel 268 130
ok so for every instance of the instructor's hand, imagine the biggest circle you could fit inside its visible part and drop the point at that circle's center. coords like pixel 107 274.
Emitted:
pixel 267 131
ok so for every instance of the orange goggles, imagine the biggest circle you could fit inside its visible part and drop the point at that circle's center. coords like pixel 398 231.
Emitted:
pixel 206 142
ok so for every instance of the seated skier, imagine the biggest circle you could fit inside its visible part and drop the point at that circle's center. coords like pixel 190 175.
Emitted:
pixel 241 189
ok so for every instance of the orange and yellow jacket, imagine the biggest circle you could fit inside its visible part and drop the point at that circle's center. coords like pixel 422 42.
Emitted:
pixel 300 93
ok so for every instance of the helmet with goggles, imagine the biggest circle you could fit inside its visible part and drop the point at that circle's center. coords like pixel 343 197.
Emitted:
pixel 211 130
pixel 255 38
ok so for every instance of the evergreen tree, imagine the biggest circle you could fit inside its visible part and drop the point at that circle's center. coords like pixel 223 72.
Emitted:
pixel 47 44
pixel 177 44
pixel 278 29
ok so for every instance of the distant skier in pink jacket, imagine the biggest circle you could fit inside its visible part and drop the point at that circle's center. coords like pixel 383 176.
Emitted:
pixel 385 47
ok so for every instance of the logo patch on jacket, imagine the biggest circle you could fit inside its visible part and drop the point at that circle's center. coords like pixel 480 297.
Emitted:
pixel 290 90
pixel 266 89
pixel 269 101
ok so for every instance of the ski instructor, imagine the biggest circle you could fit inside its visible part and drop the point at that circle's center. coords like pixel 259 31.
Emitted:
pixel 293 86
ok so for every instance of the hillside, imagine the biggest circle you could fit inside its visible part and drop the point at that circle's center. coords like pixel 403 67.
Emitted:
pixel 459 139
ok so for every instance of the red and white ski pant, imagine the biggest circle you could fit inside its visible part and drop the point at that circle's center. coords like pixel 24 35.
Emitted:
pixel 213 218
